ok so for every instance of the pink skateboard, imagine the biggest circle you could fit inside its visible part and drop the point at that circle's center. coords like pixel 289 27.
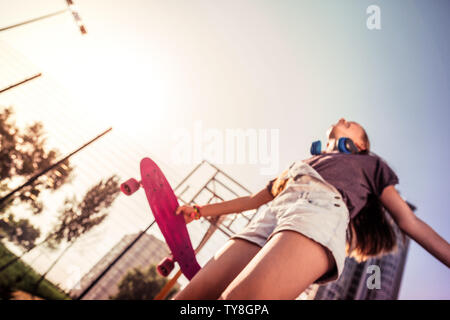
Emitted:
pixel 163 204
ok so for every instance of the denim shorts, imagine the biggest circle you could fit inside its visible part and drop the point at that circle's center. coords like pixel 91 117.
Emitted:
pixel 310 206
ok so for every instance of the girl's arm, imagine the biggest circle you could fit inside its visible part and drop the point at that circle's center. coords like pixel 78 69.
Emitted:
pixel 231 206
pixel 415 228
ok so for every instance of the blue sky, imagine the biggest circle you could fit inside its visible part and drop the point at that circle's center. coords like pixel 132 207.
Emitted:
pixel 150 67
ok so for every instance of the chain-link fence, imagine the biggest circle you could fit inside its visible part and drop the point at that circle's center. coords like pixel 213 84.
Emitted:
pixel 205 184
pixel 92 266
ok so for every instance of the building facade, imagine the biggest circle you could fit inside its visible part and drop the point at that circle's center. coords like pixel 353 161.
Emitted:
pixel 375 279
pixel 146 251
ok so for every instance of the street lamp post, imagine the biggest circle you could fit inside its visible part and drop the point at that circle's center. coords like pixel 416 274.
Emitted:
pixel 21 82
pixel 70 7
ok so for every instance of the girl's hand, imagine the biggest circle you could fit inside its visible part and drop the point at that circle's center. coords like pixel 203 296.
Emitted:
pixel 187 212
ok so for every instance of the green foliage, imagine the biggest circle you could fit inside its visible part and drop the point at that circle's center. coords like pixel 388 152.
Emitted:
pixel 77 218
pixel 20 232
pixel 23 153
pixel 140 284
pixel 20 278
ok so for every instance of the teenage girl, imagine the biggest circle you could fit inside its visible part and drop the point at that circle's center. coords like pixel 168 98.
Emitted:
pixel 321 210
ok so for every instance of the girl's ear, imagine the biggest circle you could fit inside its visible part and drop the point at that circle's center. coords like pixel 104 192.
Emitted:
pixel 360 145
pixel 362 149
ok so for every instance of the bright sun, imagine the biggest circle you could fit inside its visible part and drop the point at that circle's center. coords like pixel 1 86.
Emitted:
pixel 122 91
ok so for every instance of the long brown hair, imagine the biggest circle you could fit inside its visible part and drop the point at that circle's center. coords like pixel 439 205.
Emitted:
pixel 371 232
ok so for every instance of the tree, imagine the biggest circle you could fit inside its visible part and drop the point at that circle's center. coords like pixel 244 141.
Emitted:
pixel 77 218
pixel 20 232
pixel 139 284
pixel 23 152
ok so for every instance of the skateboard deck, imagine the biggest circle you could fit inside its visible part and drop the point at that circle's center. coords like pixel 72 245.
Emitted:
pixel 163 204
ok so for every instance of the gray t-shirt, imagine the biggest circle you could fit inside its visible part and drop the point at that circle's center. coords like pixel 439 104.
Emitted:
pixel 355 176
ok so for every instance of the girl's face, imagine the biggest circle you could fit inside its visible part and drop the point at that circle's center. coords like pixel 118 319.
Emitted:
pixel 349 129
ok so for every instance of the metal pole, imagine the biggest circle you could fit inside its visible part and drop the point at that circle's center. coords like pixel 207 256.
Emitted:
pixel 188 176
pixel 33 20
pixel 36 176
pixel 70 7
pixel 21 82
pixel 240 185
pixel 76 16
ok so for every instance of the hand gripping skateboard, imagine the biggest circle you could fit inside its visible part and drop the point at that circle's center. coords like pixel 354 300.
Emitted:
pixel 163 204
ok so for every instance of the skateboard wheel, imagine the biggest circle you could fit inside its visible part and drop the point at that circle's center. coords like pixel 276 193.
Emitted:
pixel 130 186
pixel 165 266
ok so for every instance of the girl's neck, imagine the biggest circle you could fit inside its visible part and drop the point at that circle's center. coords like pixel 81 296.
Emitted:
pixel 331 146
